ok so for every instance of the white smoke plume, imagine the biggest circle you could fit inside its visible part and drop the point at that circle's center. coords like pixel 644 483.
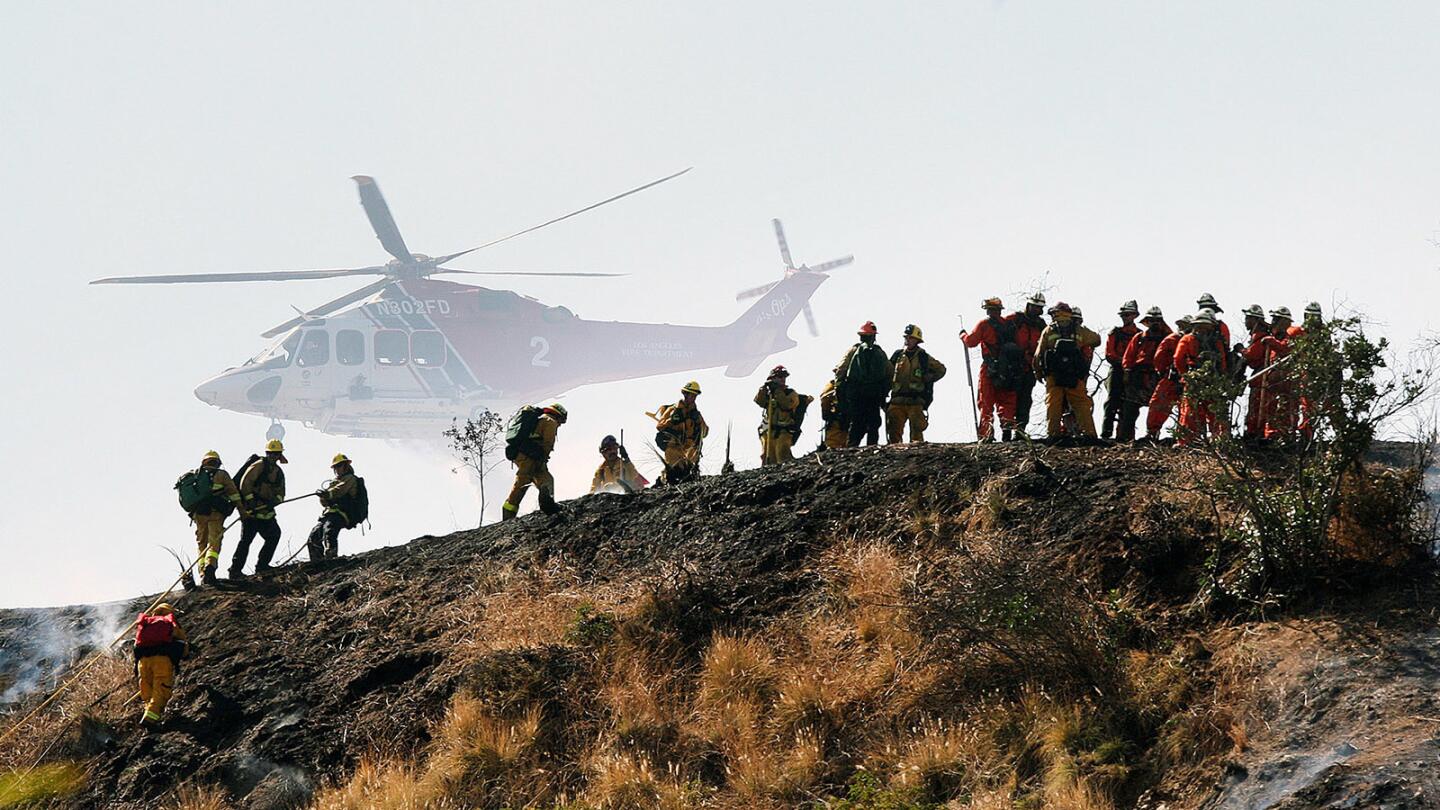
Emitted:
pixel 38 646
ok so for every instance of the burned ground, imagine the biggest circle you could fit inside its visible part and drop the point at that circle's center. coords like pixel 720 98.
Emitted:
pixel 301 675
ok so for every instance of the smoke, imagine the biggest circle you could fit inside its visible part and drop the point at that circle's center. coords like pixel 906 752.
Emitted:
pixel 38 646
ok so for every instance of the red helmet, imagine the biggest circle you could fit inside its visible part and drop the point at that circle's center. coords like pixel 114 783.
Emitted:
pixel 869 329
pixel 779 371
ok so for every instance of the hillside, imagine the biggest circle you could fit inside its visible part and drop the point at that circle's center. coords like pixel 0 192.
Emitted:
pixel 989 626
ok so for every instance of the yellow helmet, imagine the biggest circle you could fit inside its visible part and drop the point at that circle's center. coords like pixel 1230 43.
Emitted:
pixel 691 387
pixel 914 331
pixel 162 609
pixel 340 458
pixel 211 456
pixel 274 446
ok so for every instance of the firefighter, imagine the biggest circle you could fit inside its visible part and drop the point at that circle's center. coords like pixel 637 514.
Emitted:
pixel 262 488
pixel 862 382
pixel 837 433
pixel 1282 413
pixel 1207 301
pixel 344 505
pixel 160 643
pixel 1116 342
pixel 1002 367
pixel 1141 377
pixel 1256 356
pixel 784 412
pixel 1167 385
pixel 1060 361
pixel 681 432
pixel 616 473
pixel 532 463
pixel 1028 325
pixel 209 518
pixel 1204 346
pixel 912 388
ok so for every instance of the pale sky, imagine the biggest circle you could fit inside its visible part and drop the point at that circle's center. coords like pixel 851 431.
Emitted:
pixel 1265 152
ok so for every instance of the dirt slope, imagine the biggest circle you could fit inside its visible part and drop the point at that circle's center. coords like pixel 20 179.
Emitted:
pixel 300 674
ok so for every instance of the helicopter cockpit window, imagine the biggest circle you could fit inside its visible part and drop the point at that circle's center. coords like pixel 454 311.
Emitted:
pixel 314 349
pixel 279 355
pixel 392 347
pixel 427 348
pixel 349 347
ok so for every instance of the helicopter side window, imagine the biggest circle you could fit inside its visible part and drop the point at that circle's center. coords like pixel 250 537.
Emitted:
pixel 349 347
pixel 315 348
pixel 392 347
pixel 427 348
pixel 280 355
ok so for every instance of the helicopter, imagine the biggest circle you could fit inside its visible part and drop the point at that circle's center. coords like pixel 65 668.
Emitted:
pixel 405 355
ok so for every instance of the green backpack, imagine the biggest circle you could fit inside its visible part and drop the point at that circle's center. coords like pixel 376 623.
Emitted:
pixel 866 373
pixel 196 489
pixel 520 433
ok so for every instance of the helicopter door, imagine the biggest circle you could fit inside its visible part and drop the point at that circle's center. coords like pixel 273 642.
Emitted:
pixel 312 358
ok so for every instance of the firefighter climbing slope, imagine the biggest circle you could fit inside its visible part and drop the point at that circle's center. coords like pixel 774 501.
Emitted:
pixel 160 644
pixel 345 505
pixel 616 473
pixel 262 488
pixel 912 388
pixel 862 382
pixel 529 441
pixel 209 495
pixel 784 413
pixel 680 432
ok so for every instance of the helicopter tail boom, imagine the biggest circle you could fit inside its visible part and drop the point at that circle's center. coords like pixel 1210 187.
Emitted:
pixel 763 329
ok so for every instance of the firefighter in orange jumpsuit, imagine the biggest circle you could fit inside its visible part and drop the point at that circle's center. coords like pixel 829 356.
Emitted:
pixel 1028 325
pixel 1256 357
pixel 1203 347
pixel 1001 369
pixel 1116 342
pixel 1281 409
pixel 1207 301
pixel 1140 375
pixel 1167 385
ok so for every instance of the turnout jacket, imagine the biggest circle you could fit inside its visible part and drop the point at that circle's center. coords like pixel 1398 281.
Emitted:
pixel 262 486
pixel 619 472
pixel 1084 339
pixel 782 405
pixel 684 423
pixel 915 373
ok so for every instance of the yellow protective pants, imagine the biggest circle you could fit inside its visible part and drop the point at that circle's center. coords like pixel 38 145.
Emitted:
pixel 1080 405
pixel 775 448
pixel 157 683
pixel 209 531
pixel 530 471
pixel 836 436
pixel 898 415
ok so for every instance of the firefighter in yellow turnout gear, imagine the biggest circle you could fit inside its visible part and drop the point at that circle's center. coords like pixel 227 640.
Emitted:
pixel 681 431
pixel 209 518
pixel 159 646
pixel 912 388
pixel 837 434
pixel 262 488
pixel 532 461
pixel 616 473
pixel 784 411
pixel 1061 360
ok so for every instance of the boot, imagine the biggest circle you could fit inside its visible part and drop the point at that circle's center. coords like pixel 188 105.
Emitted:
pixel 188 582
pixel 1006 434
pixel 236 574
pixel 209 577
pixel 508 515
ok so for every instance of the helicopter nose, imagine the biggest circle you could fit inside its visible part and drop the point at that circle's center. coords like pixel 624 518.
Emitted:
pixel 207 392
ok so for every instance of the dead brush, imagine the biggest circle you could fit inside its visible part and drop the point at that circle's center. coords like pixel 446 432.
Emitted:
pixel 939 758
pixel 192 797
pixel 786 771
pixel 101 693
pixel 376 785
pixel 736 669
pixel 627 782
pixel 484 760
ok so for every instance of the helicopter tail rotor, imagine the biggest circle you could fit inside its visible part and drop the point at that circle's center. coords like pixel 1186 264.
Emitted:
pixel 791 269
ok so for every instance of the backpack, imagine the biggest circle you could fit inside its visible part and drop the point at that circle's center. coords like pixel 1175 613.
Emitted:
pixel 1006 365
pixel 249 462
pixel 1065 363
pixel 197 490
pixel 865 375
pixel 663 438
pixel 355 506
pixel 151 631
pixel 924 361
pixel 799 416
pixel 520 433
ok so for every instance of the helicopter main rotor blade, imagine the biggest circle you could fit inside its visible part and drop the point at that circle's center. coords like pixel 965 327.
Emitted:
pixel 810 320
pixel 444 259
pixel 277 275
pixel 527 273
pixel 832 264
pixel 755 292
pixel 784 245
pixel 380 219
pixel 325 309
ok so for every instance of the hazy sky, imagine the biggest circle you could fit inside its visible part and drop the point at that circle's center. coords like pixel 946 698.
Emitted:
pixel 1266 152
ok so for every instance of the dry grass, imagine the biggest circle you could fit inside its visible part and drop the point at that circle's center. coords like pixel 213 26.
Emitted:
pixel 623 782
pixel 736 669
pixel 101 691
pixel 191 797
pixel 28 787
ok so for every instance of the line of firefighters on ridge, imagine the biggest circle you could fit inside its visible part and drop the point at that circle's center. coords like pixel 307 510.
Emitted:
pixel 1148 366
